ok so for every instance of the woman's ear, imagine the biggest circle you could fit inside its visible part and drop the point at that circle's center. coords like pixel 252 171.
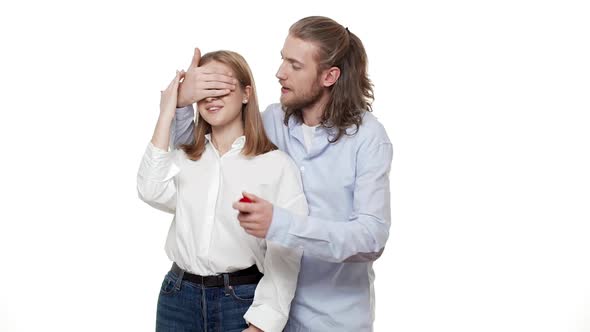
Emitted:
pixel 246 94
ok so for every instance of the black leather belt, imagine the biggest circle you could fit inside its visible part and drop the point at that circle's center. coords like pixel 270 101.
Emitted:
pixel 248 276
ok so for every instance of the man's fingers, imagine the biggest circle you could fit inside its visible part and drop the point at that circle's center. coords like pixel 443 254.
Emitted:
pixel 244 207
pixel 249 226
pixel 249 218
pixel 217 77
pixel 215 93
pixel 196 58
pixel 216 85
pixel 252 197
pixel 253 231
pixel 222 92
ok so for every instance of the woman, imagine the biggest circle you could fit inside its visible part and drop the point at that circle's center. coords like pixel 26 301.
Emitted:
pixel 222 279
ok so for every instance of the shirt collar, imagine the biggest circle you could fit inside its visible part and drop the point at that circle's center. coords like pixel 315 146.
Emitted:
pixel 296 127
pixel 237 144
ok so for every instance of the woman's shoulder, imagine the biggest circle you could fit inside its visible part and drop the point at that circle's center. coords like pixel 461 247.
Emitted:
pixel 276 158
pixel 181 158
pixel 178 154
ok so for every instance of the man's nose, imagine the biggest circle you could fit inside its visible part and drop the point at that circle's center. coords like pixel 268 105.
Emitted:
pixel 281 73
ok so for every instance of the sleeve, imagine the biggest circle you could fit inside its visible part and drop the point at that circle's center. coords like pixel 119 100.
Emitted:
pixel 275 291
pixel 362 237
pixel 155 178
pixel 183 127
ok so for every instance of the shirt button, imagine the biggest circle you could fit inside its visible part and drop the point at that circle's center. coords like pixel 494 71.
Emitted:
pixel 302 169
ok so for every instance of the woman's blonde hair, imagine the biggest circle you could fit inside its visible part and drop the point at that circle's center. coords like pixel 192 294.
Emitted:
pixel 257 142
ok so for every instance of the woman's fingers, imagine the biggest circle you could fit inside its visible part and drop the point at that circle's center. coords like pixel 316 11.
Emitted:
pixel 171 84
pixel 176 80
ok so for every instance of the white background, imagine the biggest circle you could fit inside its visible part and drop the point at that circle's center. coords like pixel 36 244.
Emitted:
pixel 486 103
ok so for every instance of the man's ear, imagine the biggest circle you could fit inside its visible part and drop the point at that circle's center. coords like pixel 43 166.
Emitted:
pixel 330 76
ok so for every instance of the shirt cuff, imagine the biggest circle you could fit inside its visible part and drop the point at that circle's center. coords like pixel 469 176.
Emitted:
pixel 265 318
pixel 279 226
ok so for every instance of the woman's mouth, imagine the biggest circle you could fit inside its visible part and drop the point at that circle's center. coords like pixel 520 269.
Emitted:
pixel 214 109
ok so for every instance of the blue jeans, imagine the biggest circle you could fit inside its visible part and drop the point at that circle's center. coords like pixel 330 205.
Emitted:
pixel 184 306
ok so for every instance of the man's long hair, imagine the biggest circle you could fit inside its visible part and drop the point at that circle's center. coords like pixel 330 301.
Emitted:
pixel 352 94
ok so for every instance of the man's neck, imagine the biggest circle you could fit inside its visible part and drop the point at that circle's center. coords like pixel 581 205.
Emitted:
pixel 312 115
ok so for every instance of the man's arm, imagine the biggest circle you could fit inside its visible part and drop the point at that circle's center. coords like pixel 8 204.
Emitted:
pixel 360 238
pixel 183 127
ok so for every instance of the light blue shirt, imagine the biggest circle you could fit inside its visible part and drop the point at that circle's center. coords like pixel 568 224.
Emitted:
pixel 347 189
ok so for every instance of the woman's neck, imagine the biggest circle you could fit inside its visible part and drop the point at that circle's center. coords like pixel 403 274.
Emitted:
pixel 224 137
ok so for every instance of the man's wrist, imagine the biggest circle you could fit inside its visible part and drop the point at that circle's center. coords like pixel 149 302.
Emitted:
pixel 181 101
pixel 279 225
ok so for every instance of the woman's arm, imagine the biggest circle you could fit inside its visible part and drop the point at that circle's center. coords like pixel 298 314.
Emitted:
pixel 155 178
pixel 161 137
pixel 275 291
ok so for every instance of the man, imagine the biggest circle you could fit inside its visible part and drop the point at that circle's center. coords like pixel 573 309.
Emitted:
pixel 324 122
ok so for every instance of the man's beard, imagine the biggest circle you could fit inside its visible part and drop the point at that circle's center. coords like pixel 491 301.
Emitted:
pixel 308 99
